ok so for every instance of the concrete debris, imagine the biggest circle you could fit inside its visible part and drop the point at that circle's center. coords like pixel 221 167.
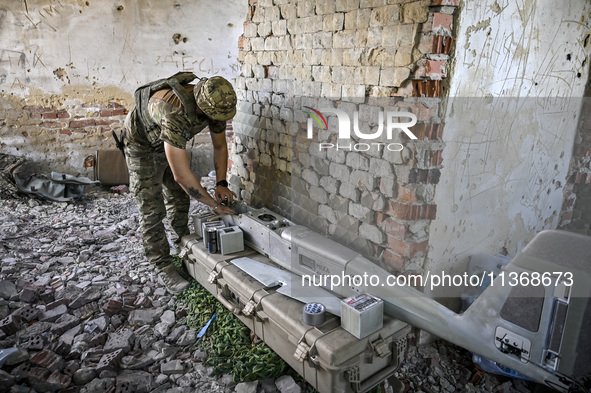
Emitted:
pixel 87 314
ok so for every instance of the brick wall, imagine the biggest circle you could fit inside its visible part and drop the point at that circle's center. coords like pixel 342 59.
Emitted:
pixel 355 55
pixel 59 138
pixel 65 138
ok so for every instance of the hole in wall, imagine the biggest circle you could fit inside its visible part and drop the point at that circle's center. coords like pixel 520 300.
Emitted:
pixel 587 37
pixel 120 8
pixel 569 57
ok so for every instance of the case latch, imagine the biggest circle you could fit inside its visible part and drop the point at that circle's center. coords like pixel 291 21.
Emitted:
pixel 381 348
pixel 249 308
pixel 302 352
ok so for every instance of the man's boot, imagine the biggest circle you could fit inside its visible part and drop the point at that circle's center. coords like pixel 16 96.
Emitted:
pixel 170 278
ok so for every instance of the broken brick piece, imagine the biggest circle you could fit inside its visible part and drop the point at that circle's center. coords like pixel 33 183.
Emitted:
pixel 112 307
pixel 60 347
pixel 126 309
pixel 57 284
pixel 110 361
pixel 57 303
pixel 9 325
pixel 86 311
pixel 48 360
pixel 122 189
pixel 59 380
pixel 35 343
pixel 124 387
pixel 142 302
pixel 28 313
pixel 30 293
pixel 46 295
pixel 37 373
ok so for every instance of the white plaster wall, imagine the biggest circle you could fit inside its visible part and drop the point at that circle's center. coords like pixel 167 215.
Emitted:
pixel 515 97
pixel 59 46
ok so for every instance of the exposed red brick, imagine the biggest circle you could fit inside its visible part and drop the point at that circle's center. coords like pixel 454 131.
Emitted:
pixel 63 115
pixel 106 112
pixel 251 10
pixel 441 20
pixel 119 112
pixel 393 261
pixel 394 228
pixel 65 132
pixel 406 248
pixel 442 44
pixel 436 68
pixel 435 157
pixel 82 123
pixel 430 131
pixel 50 115
pixel 241 42
pixel 426 88
pixel 380 218
pixel 407 195
pixel 566 217
pixel 403 211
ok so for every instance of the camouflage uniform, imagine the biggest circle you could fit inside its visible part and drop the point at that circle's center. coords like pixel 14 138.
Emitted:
pixel 158 195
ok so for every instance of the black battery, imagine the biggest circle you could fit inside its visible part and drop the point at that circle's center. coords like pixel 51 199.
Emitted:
pixel 211 240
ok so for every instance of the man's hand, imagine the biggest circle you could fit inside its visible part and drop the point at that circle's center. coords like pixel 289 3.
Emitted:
pixel 224 195
pixel 221 209
pixel 181 169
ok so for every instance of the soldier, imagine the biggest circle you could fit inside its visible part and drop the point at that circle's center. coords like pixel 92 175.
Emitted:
pixel 167 114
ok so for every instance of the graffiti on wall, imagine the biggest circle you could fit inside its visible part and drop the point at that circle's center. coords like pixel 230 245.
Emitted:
pixel 191 63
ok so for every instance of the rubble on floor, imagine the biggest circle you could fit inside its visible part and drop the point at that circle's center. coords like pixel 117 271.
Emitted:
pixel 81 310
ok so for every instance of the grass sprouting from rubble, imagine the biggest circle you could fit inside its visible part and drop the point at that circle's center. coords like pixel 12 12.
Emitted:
pixel 227 342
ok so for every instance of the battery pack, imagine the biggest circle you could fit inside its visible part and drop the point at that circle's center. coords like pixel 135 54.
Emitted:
pixel 362 315
pixel 199 219
pixel 210 235
pixel 230 240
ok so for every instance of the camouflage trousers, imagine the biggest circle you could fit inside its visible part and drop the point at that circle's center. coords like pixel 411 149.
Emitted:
pixel 158 196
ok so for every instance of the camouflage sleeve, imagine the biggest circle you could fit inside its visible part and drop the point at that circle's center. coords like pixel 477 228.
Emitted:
pixel 176 128
pixel 217 126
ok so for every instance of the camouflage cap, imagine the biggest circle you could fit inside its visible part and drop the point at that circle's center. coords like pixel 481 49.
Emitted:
pixel 216 98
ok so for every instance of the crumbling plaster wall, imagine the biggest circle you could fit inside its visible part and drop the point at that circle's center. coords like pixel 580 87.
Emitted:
pixel 515 96
pixel 68 68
